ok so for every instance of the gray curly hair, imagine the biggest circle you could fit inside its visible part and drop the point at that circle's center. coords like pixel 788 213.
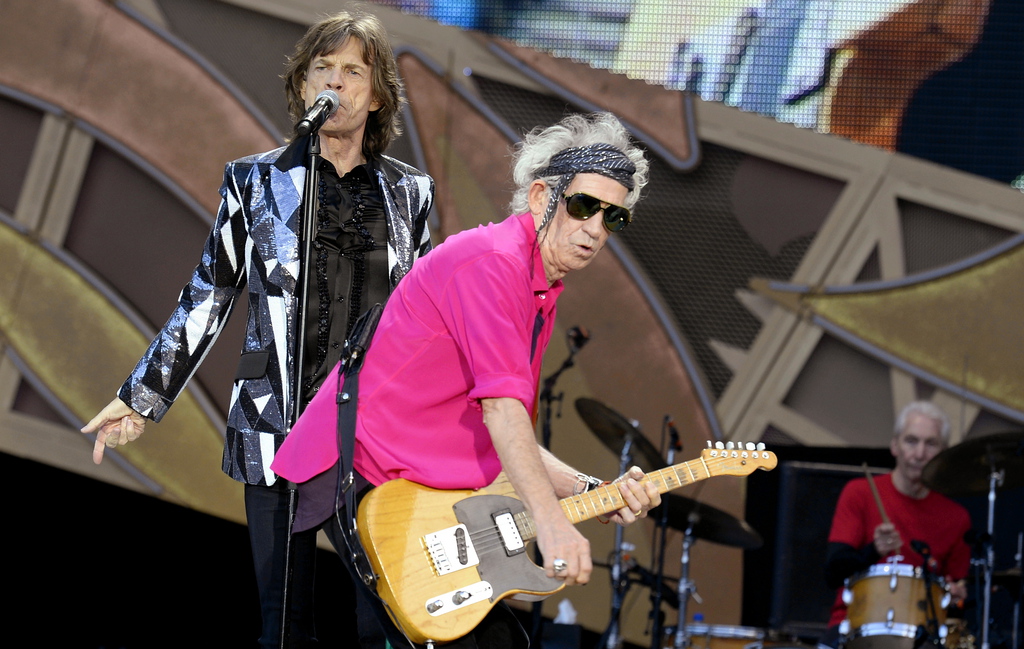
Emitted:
pixel 533 154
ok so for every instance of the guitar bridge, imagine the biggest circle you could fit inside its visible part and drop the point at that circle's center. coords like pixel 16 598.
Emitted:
pixel 450 550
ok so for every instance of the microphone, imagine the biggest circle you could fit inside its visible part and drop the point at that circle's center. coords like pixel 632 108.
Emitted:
pixel 326 103
pixel 925 550
pixel 921 548
pixel 675 442
pixel 576 338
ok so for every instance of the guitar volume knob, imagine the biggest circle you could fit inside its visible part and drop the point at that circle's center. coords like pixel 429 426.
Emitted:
pixel 434 606
pixel 460 596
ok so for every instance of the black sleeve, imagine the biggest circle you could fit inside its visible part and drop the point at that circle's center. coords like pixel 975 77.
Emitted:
pixel 842 560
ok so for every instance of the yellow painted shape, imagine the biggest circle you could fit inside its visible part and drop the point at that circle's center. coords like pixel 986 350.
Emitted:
pixel 967 328
pixel 76 342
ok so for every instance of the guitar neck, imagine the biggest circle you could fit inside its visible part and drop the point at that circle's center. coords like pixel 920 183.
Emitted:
pixel 607 499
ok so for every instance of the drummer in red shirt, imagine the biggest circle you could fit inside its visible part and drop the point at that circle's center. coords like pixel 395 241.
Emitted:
pixel 919 519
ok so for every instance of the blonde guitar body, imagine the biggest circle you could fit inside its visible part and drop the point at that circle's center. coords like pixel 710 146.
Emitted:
pixel 395 528
pixel 443 559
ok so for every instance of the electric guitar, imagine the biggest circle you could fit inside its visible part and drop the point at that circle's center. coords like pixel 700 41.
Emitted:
pixel 444 558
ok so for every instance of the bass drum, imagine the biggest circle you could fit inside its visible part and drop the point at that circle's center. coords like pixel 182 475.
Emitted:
pixel 717 636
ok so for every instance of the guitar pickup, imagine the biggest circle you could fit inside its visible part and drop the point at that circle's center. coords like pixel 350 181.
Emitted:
pixel 510 536
pixel 450 549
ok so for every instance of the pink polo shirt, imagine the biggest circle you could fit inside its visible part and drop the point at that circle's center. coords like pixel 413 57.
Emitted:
pixel 458 328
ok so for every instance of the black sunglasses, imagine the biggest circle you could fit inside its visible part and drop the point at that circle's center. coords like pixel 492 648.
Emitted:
pixel 583 206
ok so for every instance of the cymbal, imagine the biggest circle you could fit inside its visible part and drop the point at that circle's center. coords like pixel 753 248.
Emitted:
pixel 711 524
pixel 613 429
pixel 964 469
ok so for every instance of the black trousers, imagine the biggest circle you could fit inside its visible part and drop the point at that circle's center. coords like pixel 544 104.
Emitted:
pixel 267 512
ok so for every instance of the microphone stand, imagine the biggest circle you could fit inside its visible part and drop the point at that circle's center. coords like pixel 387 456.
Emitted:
pixel 306 234
pixel 546 399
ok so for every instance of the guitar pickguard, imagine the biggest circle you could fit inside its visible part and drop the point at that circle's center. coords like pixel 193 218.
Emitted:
pixel 503 565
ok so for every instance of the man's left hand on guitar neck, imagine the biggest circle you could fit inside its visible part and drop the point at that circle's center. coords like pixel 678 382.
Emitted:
pixel 633 493
pixel 541 479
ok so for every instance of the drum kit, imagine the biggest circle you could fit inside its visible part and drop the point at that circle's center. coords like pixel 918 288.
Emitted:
pixel 889 606
pixel 898 606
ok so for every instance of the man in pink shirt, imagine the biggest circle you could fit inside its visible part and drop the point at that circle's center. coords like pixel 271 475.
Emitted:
pixel 449 384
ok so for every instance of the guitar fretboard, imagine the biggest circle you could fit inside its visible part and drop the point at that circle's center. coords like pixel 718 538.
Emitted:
pixel 607 499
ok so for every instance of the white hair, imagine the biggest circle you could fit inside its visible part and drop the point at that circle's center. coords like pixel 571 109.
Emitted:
pixel 926 409
pixel 538 146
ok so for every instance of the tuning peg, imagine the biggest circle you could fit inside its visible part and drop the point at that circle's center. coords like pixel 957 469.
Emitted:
pixel 719 445
pixel 709 443
pixel 760 446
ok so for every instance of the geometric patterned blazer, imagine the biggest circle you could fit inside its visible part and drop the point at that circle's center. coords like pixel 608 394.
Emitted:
pixel 254 243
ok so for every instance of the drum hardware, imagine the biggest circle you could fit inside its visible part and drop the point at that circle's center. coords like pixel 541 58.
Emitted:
pixel 977 466
pixel 621 435
pixel 1010 580
pixel 693 518
pixel 656 617
pixel 700 521
pixel 717 636
pixel 957 635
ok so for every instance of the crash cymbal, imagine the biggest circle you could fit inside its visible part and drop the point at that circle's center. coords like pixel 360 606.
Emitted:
pixel 964 469
pixel 613 429
pixel 710 524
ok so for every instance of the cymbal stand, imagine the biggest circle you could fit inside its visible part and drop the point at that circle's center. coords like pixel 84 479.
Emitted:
pixel 995 480
pixel 686 587
pixel 612 639
pixel 659 570
pixel 1015 641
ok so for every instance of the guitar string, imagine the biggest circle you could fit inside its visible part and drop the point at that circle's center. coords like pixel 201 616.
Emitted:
pixel 490 538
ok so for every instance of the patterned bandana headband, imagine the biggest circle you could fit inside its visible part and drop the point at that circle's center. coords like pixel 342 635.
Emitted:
pixel 600 158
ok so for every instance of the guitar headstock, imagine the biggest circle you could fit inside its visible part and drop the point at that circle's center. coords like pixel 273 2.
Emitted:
pixel 731 458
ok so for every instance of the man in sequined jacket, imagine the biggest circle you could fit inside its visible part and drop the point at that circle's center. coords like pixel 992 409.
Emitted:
pixel 371 225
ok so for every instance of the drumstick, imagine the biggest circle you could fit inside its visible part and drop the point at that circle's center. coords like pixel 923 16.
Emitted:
pixel 874 492
pixel 878 499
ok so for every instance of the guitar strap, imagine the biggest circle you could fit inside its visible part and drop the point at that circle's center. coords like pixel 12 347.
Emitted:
pixel 347 399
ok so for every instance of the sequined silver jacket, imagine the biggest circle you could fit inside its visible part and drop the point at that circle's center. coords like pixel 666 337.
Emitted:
pixel 254 243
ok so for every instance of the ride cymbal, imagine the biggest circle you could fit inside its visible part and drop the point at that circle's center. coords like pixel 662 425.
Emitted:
pixel 965 469
pixel 709 523
pixel 613 430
